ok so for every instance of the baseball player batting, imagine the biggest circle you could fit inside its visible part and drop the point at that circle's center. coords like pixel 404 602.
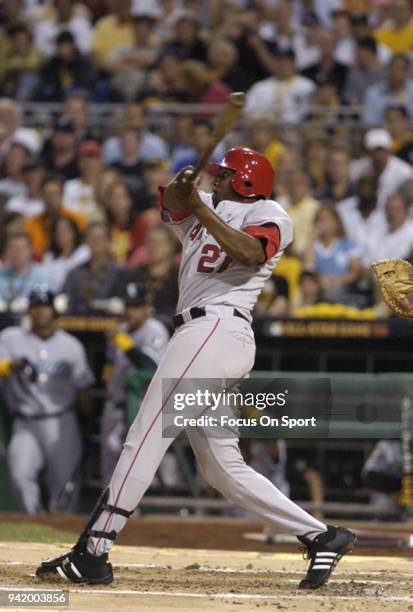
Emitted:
pixel 231 240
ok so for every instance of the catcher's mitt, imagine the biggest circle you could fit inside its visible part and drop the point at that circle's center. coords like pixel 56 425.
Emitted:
pixel 395 279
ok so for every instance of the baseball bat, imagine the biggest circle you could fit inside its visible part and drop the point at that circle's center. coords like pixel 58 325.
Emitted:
pixel 226 121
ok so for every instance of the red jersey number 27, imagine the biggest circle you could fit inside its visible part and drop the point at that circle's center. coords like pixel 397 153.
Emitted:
pixel 208 261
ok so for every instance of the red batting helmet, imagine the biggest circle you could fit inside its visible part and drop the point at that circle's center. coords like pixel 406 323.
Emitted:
pixel 254 174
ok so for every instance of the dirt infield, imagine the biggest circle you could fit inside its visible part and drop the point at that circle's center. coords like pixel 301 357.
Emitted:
pixel 152 579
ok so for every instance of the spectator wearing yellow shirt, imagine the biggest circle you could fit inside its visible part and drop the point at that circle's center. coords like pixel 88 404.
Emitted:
pixel 398 35
pixel 262 137
pixel 112 34
pixel 290 267
pixel 302 208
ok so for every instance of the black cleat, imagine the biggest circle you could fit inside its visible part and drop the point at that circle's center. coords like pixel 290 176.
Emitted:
pixel 78 565
pixel 324 553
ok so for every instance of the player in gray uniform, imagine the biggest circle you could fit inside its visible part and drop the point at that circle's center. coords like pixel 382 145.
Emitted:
pixel 42 371
pixel 138 343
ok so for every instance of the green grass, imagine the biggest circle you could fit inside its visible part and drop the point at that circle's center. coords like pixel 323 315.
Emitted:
pixel 27 532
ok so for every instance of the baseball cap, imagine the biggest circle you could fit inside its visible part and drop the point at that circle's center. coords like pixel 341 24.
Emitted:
pixel 377 139
pixel 136 294
pixel 90 148
pixel 41 296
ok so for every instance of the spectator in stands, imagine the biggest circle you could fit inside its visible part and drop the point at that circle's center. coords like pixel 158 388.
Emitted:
pixel 19 64
pixel 162 82
pixel 40 228
pixel 286 93
pixel 19 274
pixel 12 130
pixel 197 86
pixel 302 208
pixel 273 300
pixel 60 151
pixel 344 50
pixel 397 31
pixel 155 174
pixel 363 220
pixel 396 239
pixel 360 28
pixel 224 65
pixel 160 273
pixel 262 136
pixel 186 43
pixel 255 55
pixel 30 203
pixel 64 16
pixel 328 69
pixel 12 179
pixel 391 172
pixel 66 71
pixel 315 160
pixel 339 185
pixel 121 220
pixel 108 177
pixel 130 164
pixel 334 256
pixel 201 133
pixel 97 280
pixel 10 223
pixel 399 127
pixel 366 72
pixel 76 112
pixel 79 193
pixel 310 291
pixel 396 88
pixel 152 146
pixel 66 251
pixel 132 63
pixel 111 34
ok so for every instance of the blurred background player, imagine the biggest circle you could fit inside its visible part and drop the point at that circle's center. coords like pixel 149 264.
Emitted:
pixel 42 370
pixel 137 343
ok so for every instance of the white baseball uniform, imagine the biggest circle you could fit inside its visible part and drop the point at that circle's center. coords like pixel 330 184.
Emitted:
pixel 218 345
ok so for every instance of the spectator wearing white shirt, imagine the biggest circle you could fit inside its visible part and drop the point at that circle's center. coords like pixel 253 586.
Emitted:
pixel 12 132
pixel 79 193
pixel 66 251
pixel 287 92
pixel 30 203
pixel 361 218
pixel 391 171
pixel 396 241
pixel 67 18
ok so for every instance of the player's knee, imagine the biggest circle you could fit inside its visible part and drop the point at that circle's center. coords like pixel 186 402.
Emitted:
pixel 217 476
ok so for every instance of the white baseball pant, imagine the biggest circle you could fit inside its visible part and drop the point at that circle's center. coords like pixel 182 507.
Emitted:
pixel 219 346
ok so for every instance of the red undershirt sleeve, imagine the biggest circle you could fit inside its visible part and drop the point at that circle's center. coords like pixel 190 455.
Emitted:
pixel 269 236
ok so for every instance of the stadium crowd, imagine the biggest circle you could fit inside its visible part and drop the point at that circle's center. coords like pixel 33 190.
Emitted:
pixel 79 200
pixel 329 101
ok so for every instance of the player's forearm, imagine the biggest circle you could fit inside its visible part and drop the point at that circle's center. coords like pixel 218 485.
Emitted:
pixel 133 353
pixel 245 250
